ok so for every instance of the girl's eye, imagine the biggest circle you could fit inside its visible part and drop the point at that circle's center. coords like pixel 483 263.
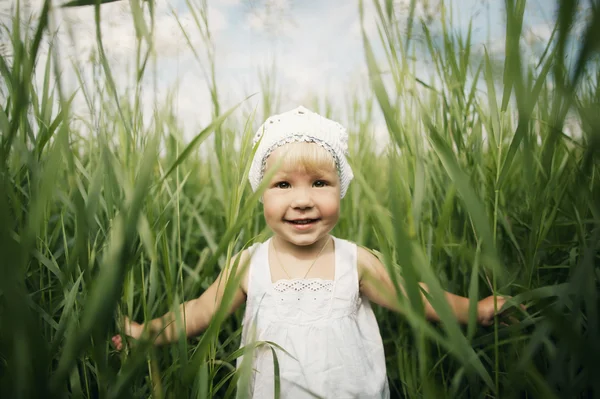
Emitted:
pixel 320 183
pixel 282 184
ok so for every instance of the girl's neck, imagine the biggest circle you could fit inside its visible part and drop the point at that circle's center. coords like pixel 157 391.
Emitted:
pixel 301 252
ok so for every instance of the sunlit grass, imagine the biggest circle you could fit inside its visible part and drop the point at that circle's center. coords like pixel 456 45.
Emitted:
pixel 479 191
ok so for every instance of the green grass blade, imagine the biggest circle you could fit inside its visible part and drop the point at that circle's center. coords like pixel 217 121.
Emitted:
pixel 200 137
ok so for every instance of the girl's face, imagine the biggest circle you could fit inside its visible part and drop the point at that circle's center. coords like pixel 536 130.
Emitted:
pixel 301 204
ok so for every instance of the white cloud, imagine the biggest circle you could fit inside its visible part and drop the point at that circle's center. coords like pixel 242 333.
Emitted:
pixel 316 46
pixel 229 3
pixel 273 17
pixel 256 22
pixel 538 33
pixel 118 31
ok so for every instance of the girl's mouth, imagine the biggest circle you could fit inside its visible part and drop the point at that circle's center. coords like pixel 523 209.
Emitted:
pixel 300 223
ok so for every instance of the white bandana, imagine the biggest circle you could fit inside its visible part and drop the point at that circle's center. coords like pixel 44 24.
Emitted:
pixel 301 125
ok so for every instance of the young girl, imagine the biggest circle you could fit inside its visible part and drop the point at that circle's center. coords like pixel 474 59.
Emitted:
pixel 305 290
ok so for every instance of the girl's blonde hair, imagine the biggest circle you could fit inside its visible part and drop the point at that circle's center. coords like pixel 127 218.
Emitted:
pixel 309 157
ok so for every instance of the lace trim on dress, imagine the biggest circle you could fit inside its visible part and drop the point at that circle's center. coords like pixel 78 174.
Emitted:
pixel 306 285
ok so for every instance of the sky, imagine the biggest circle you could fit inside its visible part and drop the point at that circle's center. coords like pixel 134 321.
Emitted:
pixel 311 49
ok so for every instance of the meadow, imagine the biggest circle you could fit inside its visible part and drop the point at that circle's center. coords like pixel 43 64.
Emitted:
pixel 490 183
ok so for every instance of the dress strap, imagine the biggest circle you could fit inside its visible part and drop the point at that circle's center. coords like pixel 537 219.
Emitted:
pixel 346 271
pixel 259 276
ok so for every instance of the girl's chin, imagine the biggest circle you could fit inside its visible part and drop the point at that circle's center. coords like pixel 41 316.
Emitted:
pixel 303 240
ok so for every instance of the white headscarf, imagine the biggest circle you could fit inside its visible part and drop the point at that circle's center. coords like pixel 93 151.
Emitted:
pixel 301 125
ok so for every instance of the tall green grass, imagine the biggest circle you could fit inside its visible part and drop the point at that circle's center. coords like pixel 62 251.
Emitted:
pixel 479 191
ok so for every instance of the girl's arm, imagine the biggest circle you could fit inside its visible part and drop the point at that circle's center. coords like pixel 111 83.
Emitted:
pixel 376 284
pixel 195 314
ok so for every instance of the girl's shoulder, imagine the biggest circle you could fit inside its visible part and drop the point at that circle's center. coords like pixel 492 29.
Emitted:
pixel 247 253
pixel 239 263
pixel 244 259
pixel 367 261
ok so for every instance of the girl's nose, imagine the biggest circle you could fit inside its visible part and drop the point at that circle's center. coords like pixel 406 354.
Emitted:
pixel 302 199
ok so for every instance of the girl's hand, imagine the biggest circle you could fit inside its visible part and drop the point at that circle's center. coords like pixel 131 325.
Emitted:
pixel 131 329
pixel 486 311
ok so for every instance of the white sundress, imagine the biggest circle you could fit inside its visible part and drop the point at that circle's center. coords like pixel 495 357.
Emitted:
pixel 328 328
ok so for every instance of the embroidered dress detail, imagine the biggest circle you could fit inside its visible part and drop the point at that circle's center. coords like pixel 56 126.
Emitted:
pixel 305 285
pixel 323 333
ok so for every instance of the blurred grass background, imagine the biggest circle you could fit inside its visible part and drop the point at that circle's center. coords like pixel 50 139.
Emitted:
pixel 479 190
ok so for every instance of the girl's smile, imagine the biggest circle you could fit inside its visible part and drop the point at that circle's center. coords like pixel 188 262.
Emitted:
pixel 303 224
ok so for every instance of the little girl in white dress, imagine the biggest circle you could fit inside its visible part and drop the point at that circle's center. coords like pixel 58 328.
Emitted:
pixel 329 332
pixel 307 293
